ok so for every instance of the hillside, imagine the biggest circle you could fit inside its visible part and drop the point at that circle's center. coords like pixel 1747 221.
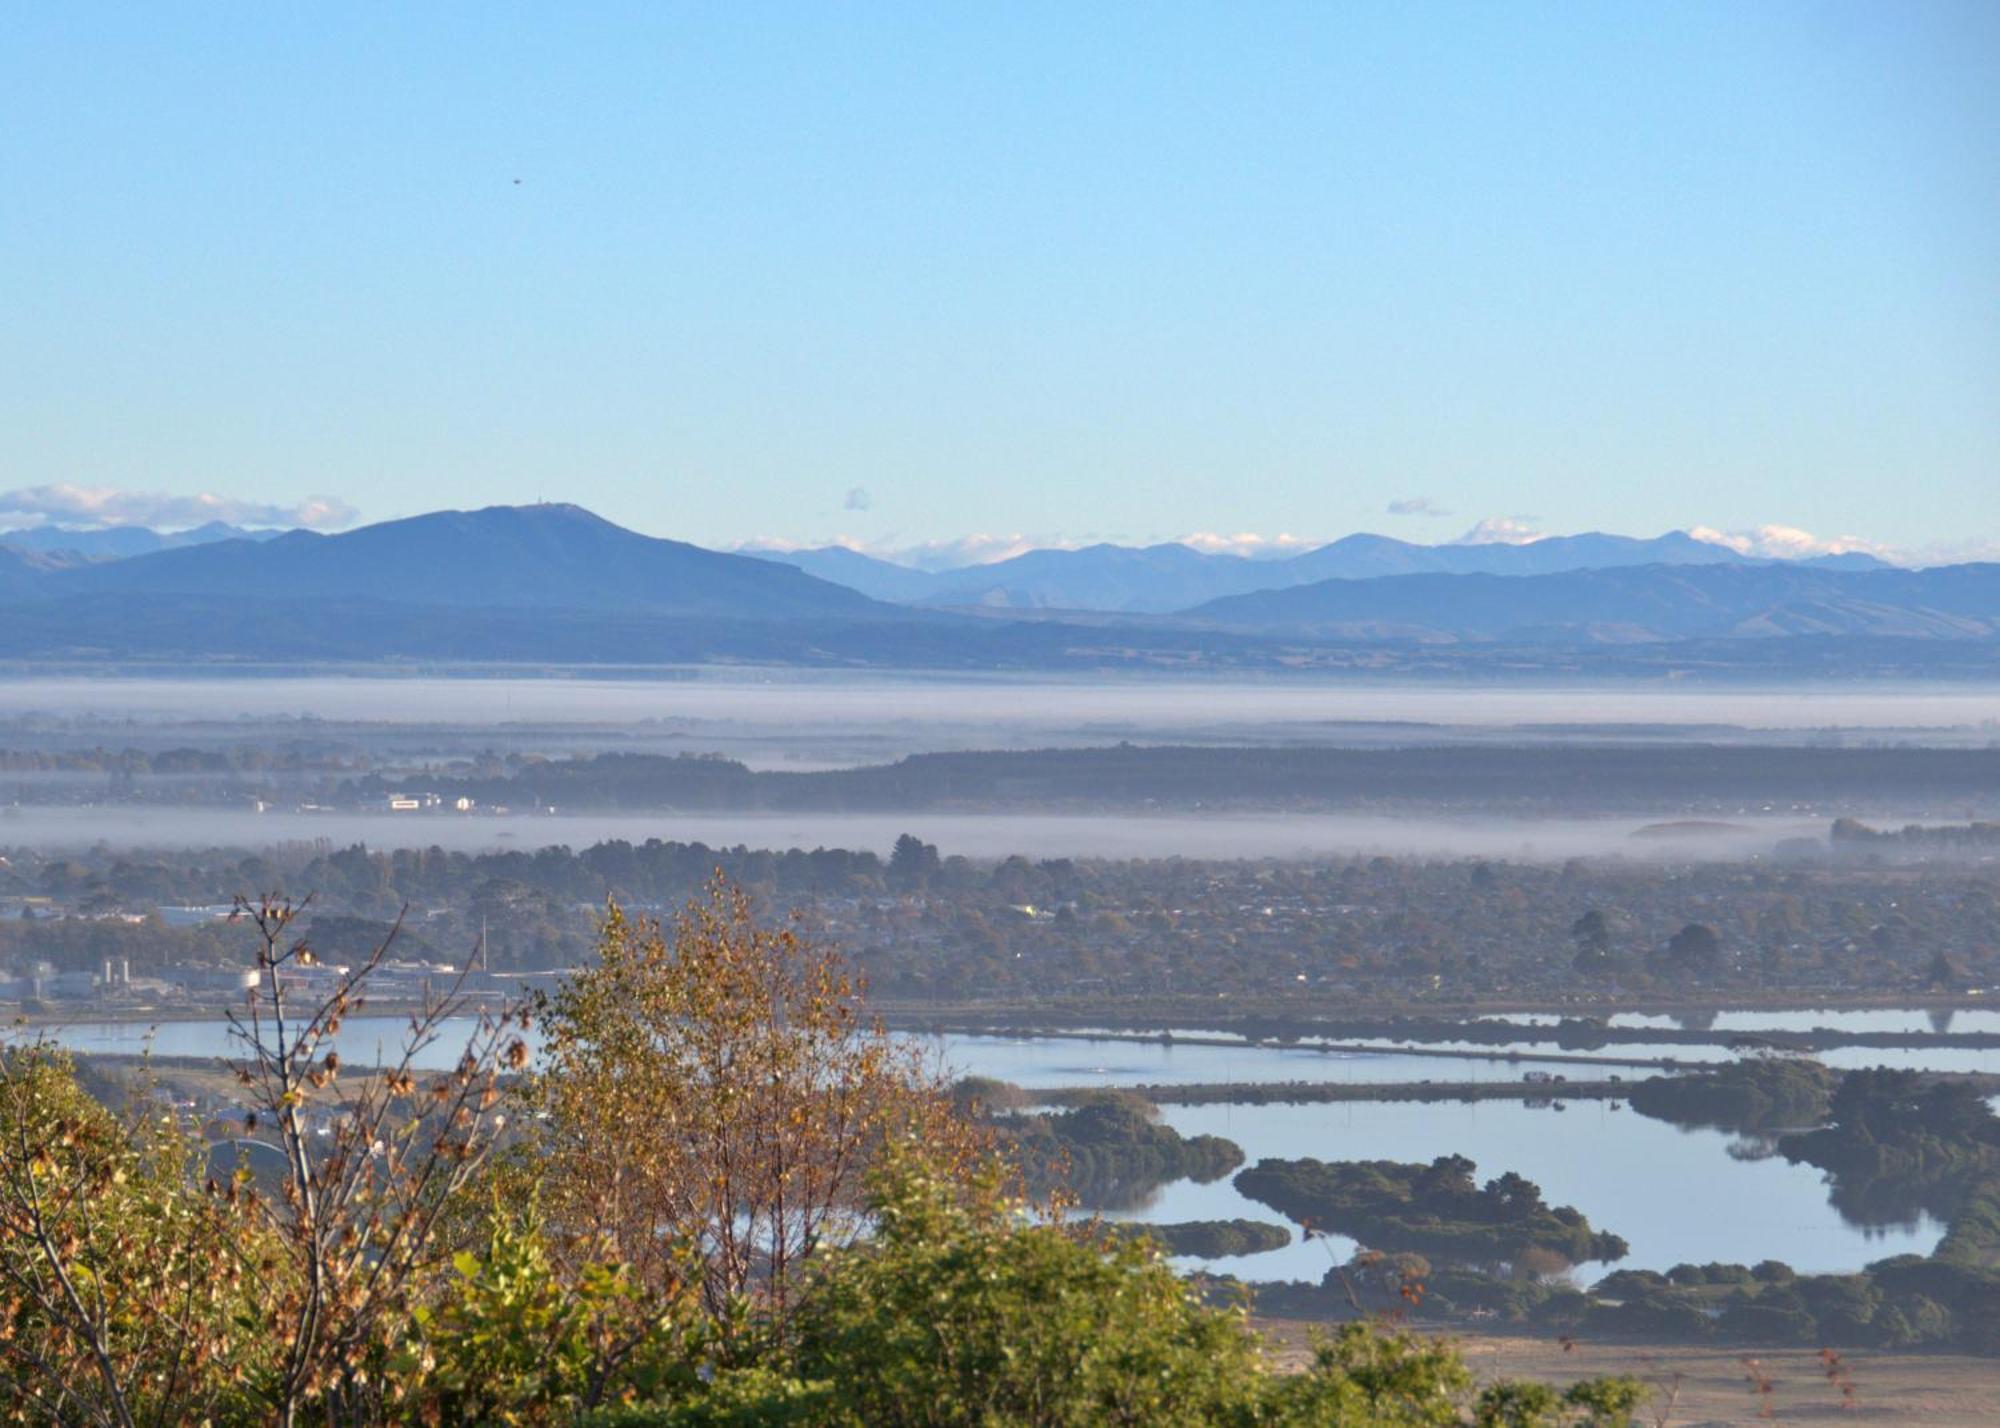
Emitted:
pixel 123 542
pixel 547 557
pixel 877 579
pixel 20 573
pixel 1643 603
pixel 1160 579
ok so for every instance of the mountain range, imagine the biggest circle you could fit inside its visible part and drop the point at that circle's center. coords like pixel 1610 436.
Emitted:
pixel 74 546
pixel 1631 603
pixel 1162 579
pixel 557 584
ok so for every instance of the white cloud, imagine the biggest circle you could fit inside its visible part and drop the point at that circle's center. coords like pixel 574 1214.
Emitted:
pixel 1774 542
pixel 1771 542
pixel 1417 506
pixel 1952 552
pixel 69 505
pixel 987 547
pixel 978 549
pixel 1502 530
pixel 1250 544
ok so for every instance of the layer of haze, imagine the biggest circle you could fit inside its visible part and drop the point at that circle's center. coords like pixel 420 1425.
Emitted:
pixel 908 271
pixel 797 722
pixel 1301 836
pixel 916 712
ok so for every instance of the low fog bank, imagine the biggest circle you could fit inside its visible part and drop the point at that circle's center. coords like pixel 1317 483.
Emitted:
pixel 1303 837
pixel 791 720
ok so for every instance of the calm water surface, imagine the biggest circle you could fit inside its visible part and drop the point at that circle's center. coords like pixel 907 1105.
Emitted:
pixel 1675 1195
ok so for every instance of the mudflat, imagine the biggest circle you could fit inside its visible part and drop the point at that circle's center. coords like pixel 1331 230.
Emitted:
pixel 1701 1384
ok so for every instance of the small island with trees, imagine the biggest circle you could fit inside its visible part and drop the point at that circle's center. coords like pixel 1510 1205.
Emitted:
pixel 1438 1209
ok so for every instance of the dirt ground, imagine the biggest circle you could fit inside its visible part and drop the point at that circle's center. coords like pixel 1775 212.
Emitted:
pixel 1701 1385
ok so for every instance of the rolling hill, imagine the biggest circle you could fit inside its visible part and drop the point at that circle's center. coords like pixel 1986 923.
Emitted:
pixel 546 557
pixel 21 573
pixel 1639 603
pixel 877 579
pixel 123 542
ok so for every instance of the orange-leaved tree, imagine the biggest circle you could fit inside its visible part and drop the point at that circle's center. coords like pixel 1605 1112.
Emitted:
pixel 709 1097
pixel 375 1166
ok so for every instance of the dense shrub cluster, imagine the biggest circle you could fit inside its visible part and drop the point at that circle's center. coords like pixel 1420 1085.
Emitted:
pixel 1753 1094
pixel 1111 1152
pixel 1216 1239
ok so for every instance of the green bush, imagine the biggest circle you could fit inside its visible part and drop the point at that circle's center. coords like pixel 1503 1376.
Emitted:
pixel 1844 1307
pixel 1629 1283
pixel 1213 1239
pixel 957 1312
pixel 1656 1314
pixel 1756 1322
pixel 745 1398
pixel 507 1340
pixel 961 1313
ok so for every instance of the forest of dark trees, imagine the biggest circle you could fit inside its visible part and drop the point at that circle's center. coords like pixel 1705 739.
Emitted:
pixel 1573 778
pixel 1541 776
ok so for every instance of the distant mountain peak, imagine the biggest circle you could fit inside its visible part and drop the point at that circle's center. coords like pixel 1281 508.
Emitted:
pixel 121 542
pixel 552 555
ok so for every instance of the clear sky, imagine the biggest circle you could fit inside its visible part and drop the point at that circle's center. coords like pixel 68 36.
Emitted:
pixel 907 272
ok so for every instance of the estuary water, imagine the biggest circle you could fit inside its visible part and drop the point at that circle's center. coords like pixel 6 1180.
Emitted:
pixel 1678 1196
pixel 1675 1195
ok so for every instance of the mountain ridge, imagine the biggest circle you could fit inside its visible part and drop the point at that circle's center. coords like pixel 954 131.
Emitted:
pixel 123 542
pixel 1630 603
pixel 1171 577
pixel 553 556
pixel 557 584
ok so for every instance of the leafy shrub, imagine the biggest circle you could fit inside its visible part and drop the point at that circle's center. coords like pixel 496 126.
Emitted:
pixel 1629 1283
pixel 1748 1095
pixel 1655 1314
pixel 1756 1322
pixel 1111 1151
pixel 1213 1239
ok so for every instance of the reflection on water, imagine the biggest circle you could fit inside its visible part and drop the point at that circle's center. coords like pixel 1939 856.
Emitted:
pixel 1040 1063
pixel 1885 1019
pixel 1676 1195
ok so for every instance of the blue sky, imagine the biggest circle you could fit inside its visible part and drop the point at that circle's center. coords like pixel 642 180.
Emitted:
pixel 902 273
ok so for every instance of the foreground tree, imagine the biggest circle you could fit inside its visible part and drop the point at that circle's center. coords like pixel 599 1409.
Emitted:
pixel 708 1100
pixel 962 1311
pixel 123 1295
pixel 375 1167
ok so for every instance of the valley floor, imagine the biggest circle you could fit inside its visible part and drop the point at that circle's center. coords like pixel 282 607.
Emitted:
pixel 1700 1384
